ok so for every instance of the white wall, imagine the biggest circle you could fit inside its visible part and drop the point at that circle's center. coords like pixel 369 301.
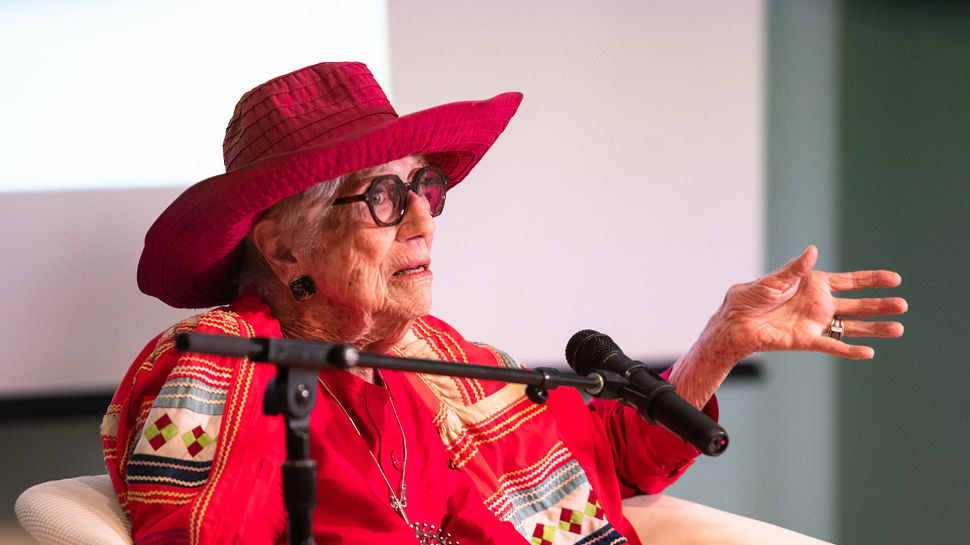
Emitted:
pixel 116 94
pixel 626 194
pixel 73 318
pixel 122 93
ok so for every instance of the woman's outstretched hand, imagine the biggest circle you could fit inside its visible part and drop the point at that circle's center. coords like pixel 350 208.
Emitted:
pixel 790 308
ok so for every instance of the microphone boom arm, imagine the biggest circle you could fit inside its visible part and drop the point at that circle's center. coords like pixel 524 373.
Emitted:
pixel 321 355
pixel 682 420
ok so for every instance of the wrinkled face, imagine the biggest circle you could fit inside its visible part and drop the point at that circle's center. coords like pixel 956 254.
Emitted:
pixel 377 279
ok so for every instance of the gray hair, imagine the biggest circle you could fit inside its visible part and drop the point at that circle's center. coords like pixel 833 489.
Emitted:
pixel 301 218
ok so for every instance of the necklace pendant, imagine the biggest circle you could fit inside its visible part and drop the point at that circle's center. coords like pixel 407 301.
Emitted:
pixel 403 502
pixel 398 507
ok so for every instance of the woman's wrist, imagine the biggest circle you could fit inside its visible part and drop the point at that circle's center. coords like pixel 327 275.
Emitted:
pixel 700 372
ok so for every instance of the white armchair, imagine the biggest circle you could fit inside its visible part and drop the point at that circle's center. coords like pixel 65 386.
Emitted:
pixel 85 511
pixel 76 511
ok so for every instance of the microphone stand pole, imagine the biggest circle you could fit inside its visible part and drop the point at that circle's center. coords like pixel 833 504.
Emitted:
pixel 293 395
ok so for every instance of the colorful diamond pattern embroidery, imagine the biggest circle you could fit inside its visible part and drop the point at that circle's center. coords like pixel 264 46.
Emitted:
pixel 160 432
pixel 571 521
pixel 163 430
pixel 593 508
pixel 196 440
pixel 543 535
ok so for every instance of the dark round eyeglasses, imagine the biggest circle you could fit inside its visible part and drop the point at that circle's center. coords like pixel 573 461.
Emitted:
pixel 387 196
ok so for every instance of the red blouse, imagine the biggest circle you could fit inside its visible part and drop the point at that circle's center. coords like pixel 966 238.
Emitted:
pixel 194 459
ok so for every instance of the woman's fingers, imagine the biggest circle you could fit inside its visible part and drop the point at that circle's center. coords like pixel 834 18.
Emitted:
pixel 857 328
pixel 866 308
pixel 860 280
pixel 839 348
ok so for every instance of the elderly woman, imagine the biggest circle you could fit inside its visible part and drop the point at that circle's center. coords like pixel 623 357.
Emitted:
pixel 321 228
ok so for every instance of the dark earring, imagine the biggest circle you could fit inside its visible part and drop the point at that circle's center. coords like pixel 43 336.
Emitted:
pixel 303 288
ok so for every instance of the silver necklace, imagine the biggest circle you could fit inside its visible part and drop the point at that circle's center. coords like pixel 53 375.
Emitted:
pixel 398 501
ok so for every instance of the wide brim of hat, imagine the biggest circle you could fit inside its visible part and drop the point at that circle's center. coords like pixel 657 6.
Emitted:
pixel 193 250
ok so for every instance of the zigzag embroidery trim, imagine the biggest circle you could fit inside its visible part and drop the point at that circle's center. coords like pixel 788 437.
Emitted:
pixel 534 500
pixel 144 468
pixel 442 351
pixel 501 429
pixel 186 383
pixel 464 445
pixel 448 349
pixel 225 321
pixel 464 433
pixel 607 535
pixel 204 370
pixel 160 401
pixel 528 477
pixel 152 497
pixel 511 412
pixel 165 480
pixel 193 394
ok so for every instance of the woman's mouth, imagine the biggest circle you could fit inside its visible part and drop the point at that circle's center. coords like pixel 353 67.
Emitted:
pixel 412 270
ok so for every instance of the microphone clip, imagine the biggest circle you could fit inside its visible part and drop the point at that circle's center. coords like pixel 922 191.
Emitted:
pixel 609 385
pixel 539 393
pixel 629 391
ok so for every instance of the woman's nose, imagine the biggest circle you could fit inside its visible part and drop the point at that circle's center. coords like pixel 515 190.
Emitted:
pixel 417 220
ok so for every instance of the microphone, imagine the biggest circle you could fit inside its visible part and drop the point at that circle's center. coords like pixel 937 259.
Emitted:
pixel 589 352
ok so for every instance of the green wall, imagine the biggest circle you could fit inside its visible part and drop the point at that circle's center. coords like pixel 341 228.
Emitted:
pixel 41 450
pixel 904 203
pixel 796 470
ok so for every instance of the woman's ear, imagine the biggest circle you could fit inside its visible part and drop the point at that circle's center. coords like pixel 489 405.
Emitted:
pixel 277 253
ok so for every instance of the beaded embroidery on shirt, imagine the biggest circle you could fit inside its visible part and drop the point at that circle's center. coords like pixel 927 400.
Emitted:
pixel 429 535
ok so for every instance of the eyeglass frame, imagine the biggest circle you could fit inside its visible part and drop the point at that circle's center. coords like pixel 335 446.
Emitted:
pixel 409 187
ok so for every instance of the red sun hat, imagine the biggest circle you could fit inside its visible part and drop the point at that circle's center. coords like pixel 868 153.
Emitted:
pixel 294 131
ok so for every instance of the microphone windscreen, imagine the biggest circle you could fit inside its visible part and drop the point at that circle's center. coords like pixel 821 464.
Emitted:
pixel 587 350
